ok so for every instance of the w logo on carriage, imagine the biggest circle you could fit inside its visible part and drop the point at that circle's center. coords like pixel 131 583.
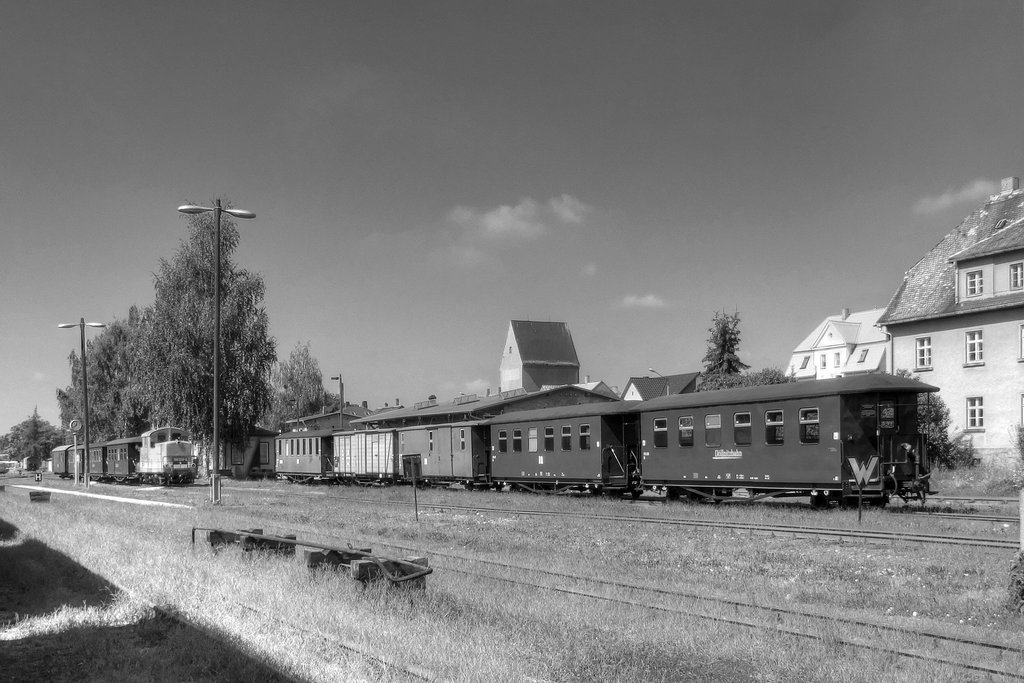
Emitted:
pixel 863 472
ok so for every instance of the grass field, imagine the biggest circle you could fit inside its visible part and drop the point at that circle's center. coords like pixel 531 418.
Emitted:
pixel 77 576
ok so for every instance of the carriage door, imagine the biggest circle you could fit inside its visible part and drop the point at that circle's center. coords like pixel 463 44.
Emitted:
pixel 619 461
pixel 861 437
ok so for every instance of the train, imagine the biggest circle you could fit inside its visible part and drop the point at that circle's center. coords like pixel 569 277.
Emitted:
pixel 833 440
pixel 162 456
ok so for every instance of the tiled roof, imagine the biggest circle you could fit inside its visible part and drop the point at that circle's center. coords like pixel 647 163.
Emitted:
pixel 544 343
pixel 929 287
pixel 652 387
pixel 857 328
pixel 1009 238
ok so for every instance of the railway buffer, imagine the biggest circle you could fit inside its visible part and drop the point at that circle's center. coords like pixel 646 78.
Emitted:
pixel 363 565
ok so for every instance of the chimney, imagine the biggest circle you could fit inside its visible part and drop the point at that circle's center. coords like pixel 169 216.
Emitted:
pixel 844 314
pixel 586 379
pixel 365 407
pixel 397 403
pixel 1011 184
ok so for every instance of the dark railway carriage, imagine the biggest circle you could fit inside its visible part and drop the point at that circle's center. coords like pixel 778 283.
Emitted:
pixel 789 439
pixel 454 452
pixel 123 458
pixel 368 456
pixel 98 462
pixel 306 456
pixel 63 459
pixel 591 446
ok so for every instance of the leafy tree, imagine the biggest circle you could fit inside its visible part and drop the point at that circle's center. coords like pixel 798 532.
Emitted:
pixel 176 341
pixel 298 387
pixel 33 439
pixel 745 379
pixel 722 357
pixel 117 405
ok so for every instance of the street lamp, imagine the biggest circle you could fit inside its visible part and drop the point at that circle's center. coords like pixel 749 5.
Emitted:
pixel 81 324
pixel 237 213
pixel 661 376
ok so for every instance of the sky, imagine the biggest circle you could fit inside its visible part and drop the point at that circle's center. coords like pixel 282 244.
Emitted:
pixel 424 172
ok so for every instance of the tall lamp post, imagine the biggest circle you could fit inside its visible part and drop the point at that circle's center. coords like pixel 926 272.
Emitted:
pixel 341 400
pixel 237 213
pixel 81 324
pixel 661 376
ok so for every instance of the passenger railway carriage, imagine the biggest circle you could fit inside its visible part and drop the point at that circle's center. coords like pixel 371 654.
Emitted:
pixel 455 452
pixel 305 456
pixel 368 456
pixel 592 446
pixel 797 438
pixel 63 459
pixel 123 458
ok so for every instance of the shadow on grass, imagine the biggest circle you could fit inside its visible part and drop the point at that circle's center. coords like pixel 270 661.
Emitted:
pixel 37 582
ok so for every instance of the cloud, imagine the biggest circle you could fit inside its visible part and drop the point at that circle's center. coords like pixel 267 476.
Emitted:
pixel 973 192
pixel 505 222
pixel 568 209
pixel 646 301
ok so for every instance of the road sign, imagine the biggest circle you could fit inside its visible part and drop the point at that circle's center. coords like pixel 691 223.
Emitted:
pixel 863 472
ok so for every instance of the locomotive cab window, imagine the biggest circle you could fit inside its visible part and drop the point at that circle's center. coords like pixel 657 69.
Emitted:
pixel 741 428
pixel 712 430
pixel 660 432
pixel 686 431
pixel 774 427
pixel 584 437
pixel 810 429
pixel 503 441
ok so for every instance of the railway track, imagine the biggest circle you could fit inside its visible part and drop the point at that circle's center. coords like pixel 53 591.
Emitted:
pixel 750 527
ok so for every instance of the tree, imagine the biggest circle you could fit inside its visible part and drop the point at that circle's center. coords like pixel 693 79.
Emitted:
pixel 31 440
pixel 176 342
pixel 722 357
pixel 933 421
pixel 298 387
pixel 117 407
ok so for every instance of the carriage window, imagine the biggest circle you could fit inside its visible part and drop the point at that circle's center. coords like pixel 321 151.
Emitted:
pixel 517 440
pixel 712 430
pixel 430 440
pixel 532 435
pixel 566 438
pixel 584 437
pixel 686 431
pixel 503 441
pixel 462 439
pixel 774 432
pixel 660 432
pixel 549 439
pixel 809 427
pixel 741 429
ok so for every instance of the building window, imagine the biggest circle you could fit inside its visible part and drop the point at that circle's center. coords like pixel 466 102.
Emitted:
pixel 863 355
pixel 975 286
pixel 975 412
pixel 1017 276
pixel 686 431
pixel 660 432
pixel 517 440
pixel 503 441
pixel 824 362
pixel 974 351
pixel 835 361
pixel 532 439
pixel 810 429
pixel 584 437
pixel 1020 354
pixel 712 430
pixel 774 428
pixel 924 352
pixel 741 428
pixel 566 438
pixel 803 365
pixel 549 439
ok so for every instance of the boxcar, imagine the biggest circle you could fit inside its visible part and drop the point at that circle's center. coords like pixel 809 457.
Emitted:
pixel 305 456
pixel 165 457
pixel 806 438
pixel 368 456
pixel 123 458
pixel 455 452
pixel 591 446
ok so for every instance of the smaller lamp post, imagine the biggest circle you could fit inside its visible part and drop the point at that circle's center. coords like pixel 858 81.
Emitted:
pixel 81 324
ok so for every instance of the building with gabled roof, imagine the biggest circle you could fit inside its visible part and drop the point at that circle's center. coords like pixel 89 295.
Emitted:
pixel 538 354
pixel 957 319
pixel 844 344
pixel 646 388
